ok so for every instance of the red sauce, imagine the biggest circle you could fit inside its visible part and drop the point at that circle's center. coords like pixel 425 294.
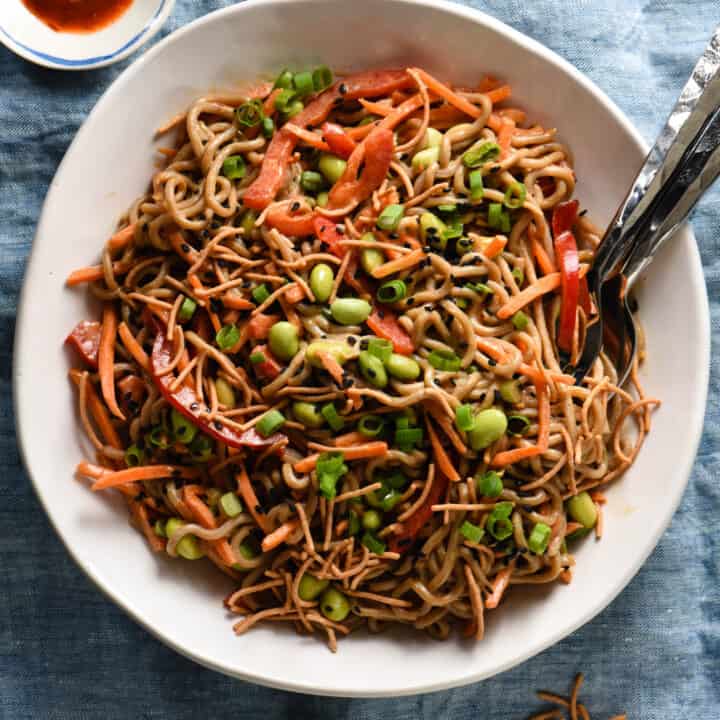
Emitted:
pixel 77 16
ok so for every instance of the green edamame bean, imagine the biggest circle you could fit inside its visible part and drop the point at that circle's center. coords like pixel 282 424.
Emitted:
pixel 283 340
pixel 490 425
pixel 321 281
pixel 308 414
pixel 225 392
pixel 402 367
pixel 371 520
pixel 582 509
pixel 310 587
pixel 370 258
pixel 332 167
pixel 372 369
pixel 334 605
pixel 350 311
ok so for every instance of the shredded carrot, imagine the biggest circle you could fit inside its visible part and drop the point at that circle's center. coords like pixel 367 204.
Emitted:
pixel 295 294
pixel 542 285
pixel 572 527
pixel 122 237
pixel 489 82
pixel 133 347
pixel 204 516
pixel 269 104
pixel 446 115
pixel 307 136
pixel 441 457
pixel 341 527
pixel 332 366
pixel 106 359
pixel 142 472
pixel 502 580
pixel 447 427
pixel 495 247
pixel 360 132
pixel 515 114
pixel 235 301
pixel 495 122
pixel 99 412
pixel 402 263
pixel 259 325
pixel 499 94
pixel 356 452
pixel 89 274
pixel 533 373
pixel 448 95
pixel 565 576
pixel 598 497
pixel 505 136
pixel 377 108
pixel 139 512
pixel 280 535
pixel 348 439
pixel 251 502
pixel 91 470
pixel 401 112
pixel 542 258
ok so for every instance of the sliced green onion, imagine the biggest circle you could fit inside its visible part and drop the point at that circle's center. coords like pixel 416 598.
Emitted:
pixel 477 189
pixel 447 208
pixel 407 438
pixel 230 504
pixel 182 428
pixel 583 510
pixel 201 448
pixel 390 217
pixel 480 288
pixel 453 230
pixel 353 523
pixel 520 320
pixel 489 484
pixel 187 309
pixel 518 276
pixel 227 336
pixel 371 426
pixel 250 548
pixel 268 127
pixel 471 532
pixel 462 302
pixel 539 538
pixel 464 244
pixel 475 157
pixel 293 109
pixel 335 421
pixel 303 83
pixel 322 78
pixel 257 357
pixel 247 222
pixel 447 361
pixel 283 99
pixel 250 114
pixel 373 544
pixel 158 437
pixel 464 417
pixel 330 462
pixel 159 529
pixel 389 499
pixel 495 213
pixel 270 422
pixel 330 467
pixel 311 181
pixel 380 348
pixel 260 294
pixel 515 196
pixel 517 425
pixel 510 391
pixel 233 167
pixel 284 80
pixel 134 456
pixel 392 291
pixel 395 480
pixel 498 523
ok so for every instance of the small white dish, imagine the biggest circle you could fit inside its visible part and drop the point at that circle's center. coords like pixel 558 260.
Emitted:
pixel 109 164
pixel 28 36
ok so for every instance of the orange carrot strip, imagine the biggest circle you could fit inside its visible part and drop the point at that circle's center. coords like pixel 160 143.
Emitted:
pixel 542 258
pixel 234 301
pixel 502 580
pixel 360 132
pixel 565 576
pixel 444 464
pixel 280 535
pixel 204 516
pixel 448 95
pixel 90 470
pixel 133 347
pixel 505 135
pixel 542 285
pixel 402 263
pixel 185 251
pixel 377 108
pixel 106 359
pixel 99 412
pixel 251 502
pixel 348 439
pixel 571 527
pixel 489 82
pixel 495 247
pixel 143 472
pixel 295 294
pixel 499 94
pixel 122 237
pixel 357 452
pixel 401 112
pixel 598 497
pixel 307 136
pixel 515 114
pixel 495 122
pixel 93 273
pixel 536 375
pixel 139 512
pixel 259 325
pixel 269 104
pixel 332 366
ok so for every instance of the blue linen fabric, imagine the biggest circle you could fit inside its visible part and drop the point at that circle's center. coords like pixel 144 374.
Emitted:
pixel 67 652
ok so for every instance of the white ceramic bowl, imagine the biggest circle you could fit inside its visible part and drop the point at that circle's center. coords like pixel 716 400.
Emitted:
pixel 110 162
pixel 29 37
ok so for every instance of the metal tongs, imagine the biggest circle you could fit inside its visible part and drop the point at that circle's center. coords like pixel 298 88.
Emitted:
pixel 682 165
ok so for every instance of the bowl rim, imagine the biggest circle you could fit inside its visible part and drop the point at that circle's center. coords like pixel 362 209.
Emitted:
pixel 55 62
pixel 23 426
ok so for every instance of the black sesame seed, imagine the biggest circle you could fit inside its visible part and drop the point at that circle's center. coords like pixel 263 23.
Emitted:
pixel 348 382
pixel 393 236
pixel 351 340
pixel 495 168
pixel 429 308
pixel 295 206
pixel 582 213
pixel 371 372
pixel 218 425
pixel 491 362
pixel 364 344
pixel 259 509
pixel 497 397
pixel 381 314
pixel 340 229
pixel 342 89
pixel 185 248
pixel 194 406
pixel 427 249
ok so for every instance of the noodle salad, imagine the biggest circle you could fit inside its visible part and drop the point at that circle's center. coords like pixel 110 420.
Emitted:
pixel 330 353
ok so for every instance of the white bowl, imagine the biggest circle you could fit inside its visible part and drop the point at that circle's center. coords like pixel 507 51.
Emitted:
pixel 110 162
pixel 25 34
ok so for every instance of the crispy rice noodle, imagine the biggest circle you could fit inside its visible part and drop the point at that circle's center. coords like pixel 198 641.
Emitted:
pixel 191 239
pixel 567 708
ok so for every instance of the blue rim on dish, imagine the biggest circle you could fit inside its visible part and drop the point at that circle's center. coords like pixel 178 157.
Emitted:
pixel 91 61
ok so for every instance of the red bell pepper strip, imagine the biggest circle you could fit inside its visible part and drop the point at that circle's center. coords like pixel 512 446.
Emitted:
pixel 274 168
pixel 338 141
pixel 289 224
pixel 327 232
pixel 415 523
pixel 385 325
pixel 85 338
pixel 567 255
pixel 564 216
pixel 185 401
pixel 132 390
pixel 269 368
pixel 353 186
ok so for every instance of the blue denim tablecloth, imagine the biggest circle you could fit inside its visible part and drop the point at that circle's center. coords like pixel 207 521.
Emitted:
pixel 67 652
